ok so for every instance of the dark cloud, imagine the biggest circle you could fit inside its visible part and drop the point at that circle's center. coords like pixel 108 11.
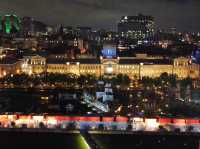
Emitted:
pixel 184 14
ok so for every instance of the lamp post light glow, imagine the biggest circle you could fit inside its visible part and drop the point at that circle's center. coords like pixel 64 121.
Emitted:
pixel 78 64
pixel 4 73
pixel 109 70
pixel 140 65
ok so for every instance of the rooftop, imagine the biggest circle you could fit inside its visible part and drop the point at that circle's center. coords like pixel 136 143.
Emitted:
pixel 121 61
pixel 146 61
pixel 8 61
pixel 65 61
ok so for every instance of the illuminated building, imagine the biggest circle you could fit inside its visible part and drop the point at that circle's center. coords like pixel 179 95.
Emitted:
pixel 33 65
pixel 9 67
pixel 136 27
pixel 9 24
pixel 121 122
pixel 81 66
pixel 80 44
pixel 134 67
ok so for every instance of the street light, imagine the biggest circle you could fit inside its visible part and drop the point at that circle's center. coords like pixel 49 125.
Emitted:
pixel 4 73
pixel 140 65
pixel 78 64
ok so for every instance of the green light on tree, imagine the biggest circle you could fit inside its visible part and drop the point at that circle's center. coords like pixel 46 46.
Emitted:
pixel 9 23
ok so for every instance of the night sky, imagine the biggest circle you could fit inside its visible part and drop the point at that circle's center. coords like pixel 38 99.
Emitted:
pixel 184 14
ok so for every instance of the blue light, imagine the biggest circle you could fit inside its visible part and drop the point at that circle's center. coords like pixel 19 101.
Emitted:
pixel 109 53
pixel 196 56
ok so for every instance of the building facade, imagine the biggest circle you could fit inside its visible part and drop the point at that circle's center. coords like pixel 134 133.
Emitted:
pixel 134 67
pixel 9 67
pixel 33 65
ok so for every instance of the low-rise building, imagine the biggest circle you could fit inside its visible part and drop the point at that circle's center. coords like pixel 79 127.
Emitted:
pixel 33 64
pixel 9 67
pixel 131 66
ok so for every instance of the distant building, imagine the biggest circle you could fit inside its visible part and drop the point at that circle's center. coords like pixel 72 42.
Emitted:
pixel 109 50
pixel 9 67
pixel 134 67
pixel 69 30
pixel 172 30
pixel 31 27
pixel 136 27
pixel 33 64
pixel 84 32
pixel 26 43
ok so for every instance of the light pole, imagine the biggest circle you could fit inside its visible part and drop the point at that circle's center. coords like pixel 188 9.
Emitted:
pixel 140 65
pixel 78 64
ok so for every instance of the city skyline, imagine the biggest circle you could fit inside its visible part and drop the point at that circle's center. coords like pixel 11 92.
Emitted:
pixel 105 14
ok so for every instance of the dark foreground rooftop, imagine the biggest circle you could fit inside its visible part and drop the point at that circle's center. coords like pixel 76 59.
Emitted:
pixel 139 140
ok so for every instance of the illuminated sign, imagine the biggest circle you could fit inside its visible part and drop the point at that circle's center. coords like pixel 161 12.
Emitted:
pixel 109 51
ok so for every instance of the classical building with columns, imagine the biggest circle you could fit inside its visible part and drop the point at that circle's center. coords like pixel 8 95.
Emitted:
pixel 134 67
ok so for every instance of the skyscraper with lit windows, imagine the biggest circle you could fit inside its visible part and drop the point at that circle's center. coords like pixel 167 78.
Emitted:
pixel 136 27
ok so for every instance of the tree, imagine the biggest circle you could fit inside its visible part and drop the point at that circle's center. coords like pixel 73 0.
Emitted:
pixel 18 79
pixel 71 79
pixel 87 127
pixel 185 82
pixel 168 78
pixel 12 124
pixel 101 127
pixel 41 125
pixel 121 79
pixel 146 81
pixel 91 79
pixel 72 126
pixel 162 129
pixel 129 127
pixel 114 127
pixel 177 130
pixel 85 80
pixel 190 129
pixel 81 80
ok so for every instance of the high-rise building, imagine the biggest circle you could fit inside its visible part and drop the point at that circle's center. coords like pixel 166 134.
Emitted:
pixel 84 32
pixel 69 30
pixel 136 27
pixel 32 27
